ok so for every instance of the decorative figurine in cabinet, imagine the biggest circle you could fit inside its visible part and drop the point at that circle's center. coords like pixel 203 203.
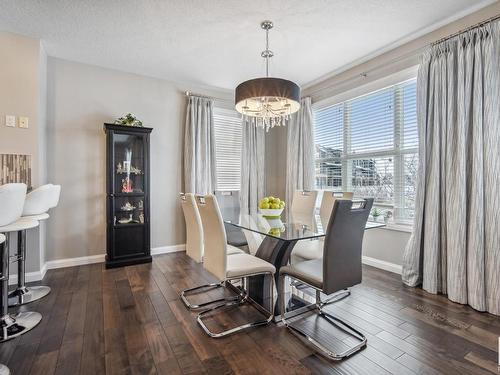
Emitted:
pixel 127 195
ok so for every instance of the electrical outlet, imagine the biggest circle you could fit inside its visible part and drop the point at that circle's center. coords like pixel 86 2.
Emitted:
pixel 10 121
pixel 23 122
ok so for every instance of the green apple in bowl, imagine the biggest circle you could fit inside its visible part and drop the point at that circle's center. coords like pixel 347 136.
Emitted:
pixel 271 207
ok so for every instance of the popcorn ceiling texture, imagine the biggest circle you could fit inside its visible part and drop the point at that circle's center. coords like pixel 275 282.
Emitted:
pixel 218 43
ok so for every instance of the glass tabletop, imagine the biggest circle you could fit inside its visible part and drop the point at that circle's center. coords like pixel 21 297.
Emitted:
pixel 288 228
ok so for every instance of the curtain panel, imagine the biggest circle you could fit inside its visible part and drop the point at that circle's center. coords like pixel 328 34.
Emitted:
pixel 199 147
pixel 253 176
pixel 300 151
pixel 455 246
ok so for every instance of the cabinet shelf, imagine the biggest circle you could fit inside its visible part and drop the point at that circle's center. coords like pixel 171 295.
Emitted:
pixel 124 195
pixel 127 225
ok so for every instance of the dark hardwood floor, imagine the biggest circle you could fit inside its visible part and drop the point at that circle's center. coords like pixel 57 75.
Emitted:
pixel 131 321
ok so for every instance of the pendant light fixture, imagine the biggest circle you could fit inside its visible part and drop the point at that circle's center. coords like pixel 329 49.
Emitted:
pixel 269 100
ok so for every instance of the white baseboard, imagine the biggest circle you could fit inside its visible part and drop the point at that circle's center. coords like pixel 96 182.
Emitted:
pixel 168 249
pixel 71 262
pixel 80 261
pixel 382 264
pixel 30 276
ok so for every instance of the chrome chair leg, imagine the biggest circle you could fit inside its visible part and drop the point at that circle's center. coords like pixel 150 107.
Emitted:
pixel 189 291
pixel 336 297
pixel 23 294
pixel 340 324
pixel 244 298
pixel 16 324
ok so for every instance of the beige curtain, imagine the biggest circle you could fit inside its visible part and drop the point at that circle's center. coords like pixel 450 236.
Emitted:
pixel 199 147
pixel 253 164
pixel 455 246
pixel 300 151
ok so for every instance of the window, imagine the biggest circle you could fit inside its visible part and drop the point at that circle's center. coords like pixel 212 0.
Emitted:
pixel 369 145
pixel 227 127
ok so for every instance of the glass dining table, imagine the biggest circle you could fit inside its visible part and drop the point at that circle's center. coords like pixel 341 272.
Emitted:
pixel 275 239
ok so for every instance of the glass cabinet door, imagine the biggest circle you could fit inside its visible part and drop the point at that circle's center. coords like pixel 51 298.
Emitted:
pixel 129 163
pixel 128 210
pixel 129 179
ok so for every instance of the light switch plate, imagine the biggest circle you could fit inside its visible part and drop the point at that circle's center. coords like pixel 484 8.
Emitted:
pixel 10 121
pixel 23 122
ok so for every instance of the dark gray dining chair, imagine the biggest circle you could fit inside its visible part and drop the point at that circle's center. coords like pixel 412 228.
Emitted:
pixel 339 269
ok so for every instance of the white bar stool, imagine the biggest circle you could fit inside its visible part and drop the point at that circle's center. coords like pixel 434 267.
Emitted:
pixel 12 198
pixel 55 193
pixel 4 370
pixel 36 205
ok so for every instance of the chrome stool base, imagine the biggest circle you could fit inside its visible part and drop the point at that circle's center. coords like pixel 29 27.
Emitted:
pixel 22 296
pixel 4 370
pixel 18 324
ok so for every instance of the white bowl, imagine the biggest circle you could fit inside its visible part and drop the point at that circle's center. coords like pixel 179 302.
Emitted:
pixel 271 212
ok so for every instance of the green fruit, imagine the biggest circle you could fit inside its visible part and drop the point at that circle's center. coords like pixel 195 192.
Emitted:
pixel 282 205
pixel 275 206
pixel 265 200
pixel 264 206
pixel 271 199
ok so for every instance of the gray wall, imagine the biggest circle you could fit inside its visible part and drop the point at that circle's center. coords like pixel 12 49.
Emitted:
pixel 21 78
pixel 276 162
pixel 385 244
pixel 80 99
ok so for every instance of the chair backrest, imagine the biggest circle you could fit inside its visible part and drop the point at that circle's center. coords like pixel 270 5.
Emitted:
pixel 214 236
pixel 194 229
pixel 254 239
pixel 343 244
pixel 304 203
pixel 55 193
pixel 12 198
pixel 229 203
pixel 38 201
pixel 327 201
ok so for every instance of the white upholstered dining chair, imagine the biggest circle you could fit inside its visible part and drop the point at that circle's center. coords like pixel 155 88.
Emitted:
pixel 313 249
pixel 226 267
pixel 303 203
pixel 194 230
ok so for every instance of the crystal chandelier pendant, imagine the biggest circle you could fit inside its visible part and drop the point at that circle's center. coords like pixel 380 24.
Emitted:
pixel 269 100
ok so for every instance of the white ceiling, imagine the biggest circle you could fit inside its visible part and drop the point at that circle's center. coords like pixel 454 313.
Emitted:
pixel 218 42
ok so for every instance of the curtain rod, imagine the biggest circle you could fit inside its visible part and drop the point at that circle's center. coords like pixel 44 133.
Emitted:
pixel 479 24
pixel 189 93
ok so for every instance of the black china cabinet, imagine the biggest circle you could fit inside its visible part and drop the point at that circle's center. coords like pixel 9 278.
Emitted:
pixel 127 195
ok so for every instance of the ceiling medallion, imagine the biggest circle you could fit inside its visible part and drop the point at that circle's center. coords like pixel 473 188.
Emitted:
pixel 270 101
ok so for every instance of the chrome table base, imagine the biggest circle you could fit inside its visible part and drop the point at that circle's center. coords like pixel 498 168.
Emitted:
pixel 18 324
pixel 22 296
